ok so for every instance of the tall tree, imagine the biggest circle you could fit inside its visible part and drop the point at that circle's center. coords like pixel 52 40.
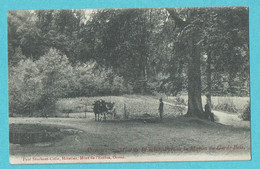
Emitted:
pixel 189 24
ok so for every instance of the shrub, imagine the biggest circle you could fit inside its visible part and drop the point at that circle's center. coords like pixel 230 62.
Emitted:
pixel 82 81
pixel 246 112
pixel 25 87
pixel 180 100
pixel 226 105
pixel 90 80
pixel 15 56
pixel 35 86
pixel 56 73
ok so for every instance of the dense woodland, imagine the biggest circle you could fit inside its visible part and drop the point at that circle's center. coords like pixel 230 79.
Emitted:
pixel 71 53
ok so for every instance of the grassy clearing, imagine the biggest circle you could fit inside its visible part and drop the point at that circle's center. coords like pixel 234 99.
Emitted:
pixel 135 105
pixel 139 106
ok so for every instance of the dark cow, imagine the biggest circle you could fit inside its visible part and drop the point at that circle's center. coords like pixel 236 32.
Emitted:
pixel 97 110
pixel 103 108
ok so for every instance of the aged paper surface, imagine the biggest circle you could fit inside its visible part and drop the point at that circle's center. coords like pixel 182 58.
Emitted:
pixel 128 85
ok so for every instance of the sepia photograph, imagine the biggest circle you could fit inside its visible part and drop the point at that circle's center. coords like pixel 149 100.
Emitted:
pixel 128 85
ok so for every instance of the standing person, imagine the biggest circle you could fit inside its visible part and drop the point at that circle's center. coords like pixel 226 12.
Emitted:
pixel 161 108
pixel 208 113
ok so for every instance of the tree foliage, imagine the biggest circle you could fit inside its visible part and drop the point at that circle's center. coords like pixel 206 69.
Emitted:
pixel 36 86
pixel 118 51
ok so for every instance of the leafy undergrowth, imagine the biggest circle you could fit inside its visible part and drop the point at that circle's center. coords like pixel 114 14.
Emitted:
pixel 245 115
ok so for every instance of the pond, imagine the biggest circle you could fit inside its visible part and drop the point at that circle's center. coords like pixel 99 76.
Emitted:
pixel 33 133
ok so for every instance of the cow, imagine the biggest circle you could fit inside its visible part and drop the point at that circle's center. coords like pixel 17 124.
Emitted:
pixel 97 110
pixel 103 108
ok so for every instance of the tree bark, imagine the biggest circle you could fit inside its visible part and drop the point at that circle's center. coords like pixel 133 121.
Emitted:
pixel 194 73
pixel 194 82
pixel 209 82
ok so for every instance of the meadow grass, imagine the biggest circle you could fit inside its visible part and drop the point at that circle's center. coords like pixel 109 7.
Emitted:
pixel 138 105
pixel 135 105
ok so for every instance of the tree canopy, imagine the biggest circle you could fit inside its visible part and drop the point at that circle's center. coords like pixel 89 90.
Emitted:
pixel 165 50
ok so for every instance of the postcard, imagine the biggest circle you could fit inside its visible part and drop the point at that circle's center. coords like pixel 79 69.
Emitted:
pixel 128 85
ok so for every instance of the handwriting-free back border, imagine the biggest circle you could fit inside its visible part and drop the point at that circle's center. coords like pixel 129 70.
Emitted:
pixel 254 37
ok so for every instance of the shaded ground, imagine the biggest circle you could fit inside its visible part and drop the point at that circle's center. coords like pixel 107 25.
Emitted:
pixel 148 136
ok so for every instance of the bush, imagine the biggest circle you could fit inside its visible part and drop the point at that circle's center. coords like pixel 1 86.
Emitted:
pixel 82 81
pixel 246 112
pixel 35 86
pixel 96 82
pixel 56 73
pixel 226 105
pixel 25 87
pixel 180 100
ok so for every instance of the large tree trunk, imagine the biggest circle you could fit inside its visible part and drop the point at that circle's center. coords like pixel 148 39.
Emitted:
pixel 209 83
pixel 194 75
pixel 194 82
